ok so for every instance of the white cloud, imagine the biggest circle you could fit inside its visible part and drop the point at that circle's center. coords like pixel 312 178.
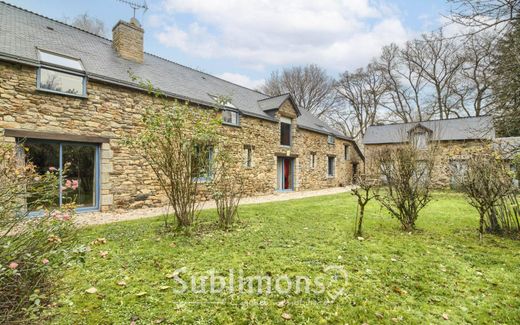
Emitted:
pixel 336 34
pixel 241 79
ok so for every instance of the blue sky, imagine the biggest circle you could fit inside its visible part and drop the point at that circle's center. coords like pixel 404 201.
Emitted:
pixel 243 41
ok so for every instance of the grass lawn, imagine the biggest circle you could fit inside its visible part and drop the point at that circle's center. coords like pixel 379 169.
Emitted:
pixel 439 275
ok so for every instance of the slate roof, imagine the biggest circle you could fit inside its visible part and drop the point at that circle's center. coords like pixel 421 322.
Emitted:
pixel 22 32
pixel 467 128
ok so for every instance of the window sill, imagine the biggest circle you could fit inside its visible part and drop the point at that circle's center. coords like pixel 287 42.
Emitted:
pixel 60 93
pixel 284 146
pixel 331 176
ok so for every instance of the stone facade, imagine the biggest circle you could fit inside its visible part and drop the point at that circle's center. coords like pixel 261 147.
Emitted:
pixel 114 112
pixel 446 153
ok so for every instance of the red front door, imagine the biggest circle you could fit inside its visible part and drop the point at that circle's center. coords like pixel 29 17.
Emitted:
pixel 287 174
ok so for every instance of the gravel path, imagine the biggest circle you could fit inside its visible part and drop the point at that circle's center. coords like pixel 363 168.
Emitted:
pixel 97 218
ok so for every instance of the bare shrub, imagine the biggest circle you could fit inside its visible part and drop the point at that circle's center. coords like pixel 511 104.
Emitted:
pixel 176 141
pixel 226 188
pixel 486 182
pixel 364 192
pixel 406 187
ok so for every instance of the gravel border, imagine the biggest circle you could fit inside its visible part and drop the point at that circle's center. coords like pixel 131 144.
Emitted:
pixel 98 218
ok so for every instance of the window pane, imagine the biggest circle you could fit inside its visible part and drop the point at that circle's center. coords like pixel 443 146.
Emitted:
pixel 79 178
pixel 285 132
pixel 46 158
pixel 230 117
pixel 60 60
pixel 202 161
pixel 331 166
pixel 60 81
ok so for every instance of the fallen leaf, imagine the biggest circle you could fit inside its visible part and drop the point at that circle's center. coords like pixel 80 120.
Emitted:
pixel 286 316
pixel 400 291
pixel 445 316
pixel 103 254
pixel 164 287
pixel 121 283
pixel 173 245
pixel 393 259
pixel 140 294
pixel 360 238
pixel 99 241
pixel 281 304
pixel 91 290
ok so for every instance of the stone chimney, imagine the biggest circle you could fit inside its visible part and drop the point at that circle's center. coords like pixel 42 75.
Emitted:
pixel 127 40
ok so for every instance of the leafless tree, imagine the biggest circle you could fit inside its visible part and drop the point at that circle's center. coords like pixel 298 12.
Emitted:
pixel 472 84
pixel 483 15
pixel 364 193
pixel 362 92
pixel 89 24
pixel 438 59
pixel 311 87
pixel 405 91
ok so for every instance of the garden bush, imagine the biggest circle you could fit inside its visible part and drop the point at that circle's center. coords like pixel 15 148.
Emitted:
pixel 33 249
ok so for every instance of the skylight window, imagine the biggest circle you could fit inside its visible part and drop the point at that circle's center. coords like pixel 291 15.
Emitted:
pixel 60 60
pixel 61 74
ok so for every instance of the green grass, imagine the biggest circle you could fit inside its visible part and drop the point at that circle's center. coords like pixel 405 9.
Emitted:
pixel 393 277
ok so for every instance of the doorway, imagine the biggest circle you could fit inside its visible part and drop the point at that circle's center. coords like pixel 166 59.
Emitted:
pixel 285 174
pixel 355 173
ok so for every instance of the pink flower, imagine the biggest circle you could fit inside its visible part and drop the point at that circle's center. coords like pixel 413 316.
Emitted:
pixel 75 184
pixel 68 183
pixel 65 217
pixel 52 169
pixel 13 265
pixel 45 261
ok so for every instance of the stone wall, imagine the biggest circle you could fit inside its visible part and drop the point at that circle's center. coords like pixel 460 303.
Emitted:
pixel 446 151
pixel 114 112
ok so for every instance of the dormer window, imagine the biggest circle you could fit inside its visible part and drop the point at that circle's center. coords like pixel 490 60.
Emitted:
pixel 230 117
pixel 61 74
pixel 230 114
pixel 420 140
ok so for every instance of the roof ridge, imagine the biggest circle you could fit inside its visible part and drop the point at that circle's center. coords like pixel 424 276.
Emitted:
pixel 107 39
pixel 436 120
pixel 53 20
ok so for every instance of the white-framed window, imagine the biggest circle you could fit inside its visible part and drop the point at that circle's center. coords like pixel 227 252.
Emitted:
pixel 285 131
pixel 331 166
pixel 420 140
pixel 230 117
pixel 331 139
pixel 312 161
pixel 202 162
pixel 346 153
pixel 61 74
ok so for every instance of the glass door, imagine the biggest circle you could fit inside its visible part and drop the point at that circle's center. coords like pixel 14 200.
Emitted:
pixel 77 165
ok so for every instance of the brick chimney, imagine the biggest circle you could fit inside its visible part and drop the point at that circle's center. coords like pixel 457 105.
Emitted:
pixel 127 40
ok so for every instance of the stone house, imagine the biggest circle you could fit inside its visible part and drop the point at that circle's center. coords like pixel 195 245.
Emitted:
pixel 67 96
pixel 455 139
